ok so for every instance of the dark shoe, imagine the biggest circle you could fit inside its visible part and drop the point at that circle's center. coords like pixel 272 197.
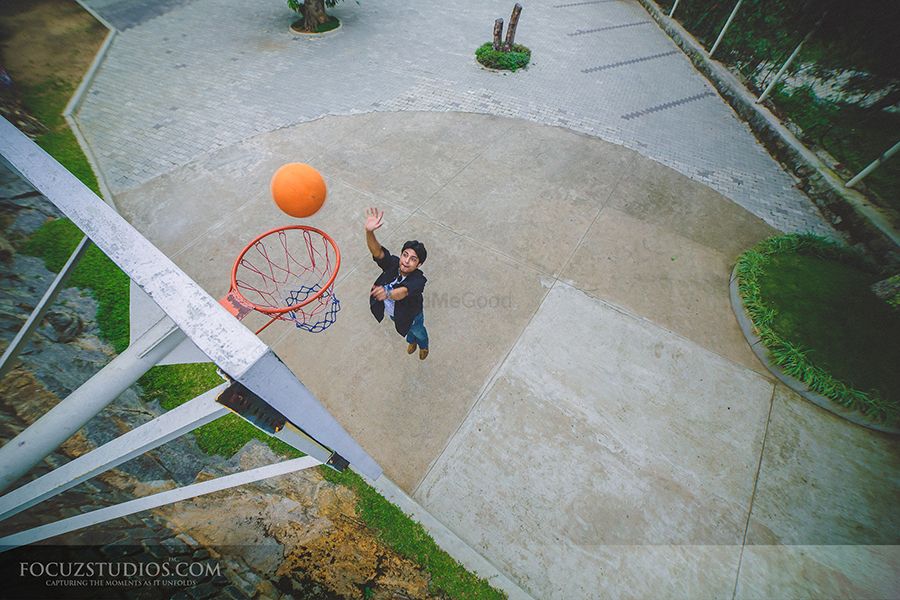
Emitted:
pixel 423 352
pixel 411 348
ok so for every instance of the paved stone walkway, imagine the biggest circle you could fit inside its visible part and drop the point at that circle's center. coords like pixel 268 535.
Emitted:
pixel 206 74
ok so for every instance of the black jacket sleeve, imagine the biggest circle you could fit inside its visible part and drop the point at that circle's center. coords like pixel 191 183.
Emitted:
pixel 388 261
pixel 415 283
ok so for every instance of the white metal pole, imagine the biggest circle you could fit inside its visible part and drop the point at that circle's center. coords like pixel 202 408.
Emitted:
pixel 674 6
pixel 37 315
pixel 781 71
pixel 873 165
pixel 170 425
pixel 58 424
pixel 102 515
pixel 725 28
pixel 788 62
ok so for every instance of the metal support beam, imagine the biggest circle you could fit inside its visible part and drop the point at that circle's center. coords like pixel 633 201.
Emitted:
pixel 293 436
pixel 37 315
pixel 102 515
pixel 674 6
pixel 873 165
pixel 180 420
pixel 725 28
pixel 58 424
pixel 227 343
pixel 788 62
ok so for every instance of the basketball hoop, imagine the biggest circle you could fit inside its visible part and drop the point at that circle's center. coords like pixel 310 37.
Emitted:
pixel 287 274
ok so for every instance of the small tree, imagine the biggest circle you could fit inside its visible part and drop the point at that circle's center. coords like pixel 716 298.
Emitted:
pixel 510 31
pixel 312 11
pixel 504 54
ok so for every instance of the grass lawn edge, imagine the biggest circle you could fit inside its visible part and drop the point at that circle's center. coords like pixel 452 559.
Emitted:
pixel 745 302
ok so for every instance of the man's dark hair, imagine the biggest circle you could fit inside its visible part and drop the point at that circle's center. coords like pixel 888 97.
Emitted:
pixel 417 247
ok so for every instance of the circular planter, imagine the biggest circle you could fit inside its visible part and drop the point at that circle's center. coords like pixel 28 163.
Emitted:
pixel 501 71
pixel 518 49
pixel 315 35
pixel 762 353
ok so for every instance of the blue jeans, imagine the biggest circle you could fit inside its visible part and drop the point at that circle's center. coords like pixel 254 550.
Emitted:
pixel 417 334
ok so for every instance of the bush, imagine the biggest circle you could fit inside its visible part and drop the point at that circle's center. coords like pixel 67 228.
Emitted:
pixel 298 26
pixel 810 302
pixel 516 58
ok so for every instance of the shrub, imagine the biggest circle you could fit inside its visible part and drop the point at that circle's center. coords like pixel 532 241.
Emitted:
pixel 515 59
pixel 778 324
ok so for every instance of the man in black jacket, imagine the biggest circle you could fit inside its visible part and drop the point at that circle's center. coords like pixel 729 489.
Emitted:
pixel 398 290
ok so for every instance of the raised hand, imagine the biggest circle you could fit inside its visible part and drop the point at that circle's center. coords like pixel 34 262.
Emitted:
pixel 378 292
pixel 373 219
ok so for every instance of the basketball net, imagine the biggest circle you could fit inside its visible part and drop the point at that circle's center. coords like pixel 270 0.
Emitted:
pixel 287 274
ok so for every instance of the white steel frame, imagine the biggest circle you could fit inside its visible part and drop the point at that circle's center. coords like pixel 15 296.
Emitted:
pixel 238 353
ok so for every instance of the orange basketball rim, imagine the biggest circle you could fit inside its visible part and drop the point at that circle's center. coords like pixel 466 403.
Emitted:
pixel 287 274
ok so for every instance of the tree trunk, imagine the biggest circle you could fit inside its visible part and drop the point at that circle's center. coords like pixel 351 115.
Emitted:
pixel 498 33
pixel 313 14
pixel 511 29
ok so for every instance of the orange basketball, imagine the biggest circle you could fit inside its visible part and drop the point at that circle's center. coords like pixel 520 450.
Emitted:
pixel 298 189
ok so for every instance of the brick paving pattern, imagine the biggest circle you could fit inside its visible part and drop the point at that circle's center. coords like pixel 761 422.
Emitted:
pixel 209 73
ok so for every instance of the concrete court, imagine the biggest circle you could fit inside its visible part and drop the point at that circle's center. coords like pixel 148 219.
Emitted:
pixel 590 418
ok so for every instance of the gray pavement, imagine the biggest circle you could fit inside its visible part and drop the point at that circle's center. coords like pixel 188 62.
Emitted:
pixel 210 73
pixel 590 418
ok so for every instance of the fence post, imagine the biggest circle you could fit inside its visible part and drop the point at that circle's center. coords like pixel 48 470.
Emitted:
pixel 37 315
pixel 59 423
pixel 674 6
pixel 725 28
pixel 788 62
pixel 873 165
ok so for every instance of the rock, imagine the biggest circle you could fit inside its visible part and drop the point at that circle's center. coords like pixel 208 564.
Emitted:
pixel 889 291
pixel 187 540
pixel 12 186
pixel 232 593
pixel 153 548
pixel 26 223
pixel 247 588
pixel 200 554
pixel 119 551
pixel 65 325
pixel 202 591
pixel 176 547
pixel 6 250
pixel 252 455
pixel 147 488
pixel 265 588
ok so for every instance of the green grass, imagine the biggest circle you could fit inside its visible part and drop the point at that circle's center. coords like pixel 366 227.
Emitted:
pixel 855 137
pixel 810 302
pixel 410 540
pixel 46 103
pixel 517 58
pixel 827 306
pixel 331 23
pixel 174 385
pixel 54 242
